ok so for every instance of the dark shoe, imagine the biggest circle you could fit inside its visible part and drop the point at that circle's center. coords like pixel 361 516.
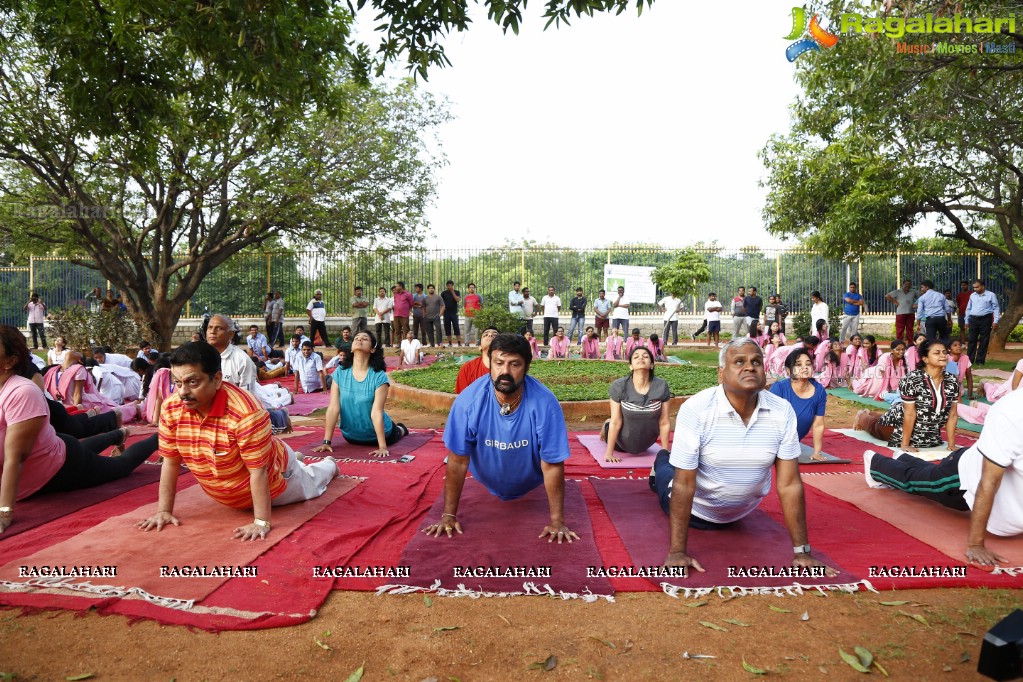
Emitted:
pixel 651 481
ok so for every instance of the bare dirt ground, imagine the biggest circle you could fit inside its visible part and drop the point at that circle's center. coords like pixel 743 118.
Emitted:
pixel 639 637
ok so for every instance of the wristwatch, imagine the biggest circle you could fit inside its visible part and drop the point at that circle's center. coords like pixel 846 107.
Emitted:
pixel 326 441
pixel 801 549
pixel 266 524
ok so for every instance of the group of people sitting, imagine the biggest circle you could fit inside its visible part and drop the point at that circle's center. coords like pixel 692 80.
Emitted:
pixel 616 347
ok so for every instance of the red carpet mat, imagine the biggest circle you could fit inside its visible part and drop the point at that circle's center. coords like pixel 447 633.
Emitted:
pixel 500 552
pixel 943 529
pixel 753 556
pixel 307 403
pixel 280 594
pixel 345 452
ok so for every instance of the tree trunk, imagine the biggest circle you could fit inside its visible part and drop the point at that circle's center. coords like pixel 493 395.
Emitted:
pixel 1010 316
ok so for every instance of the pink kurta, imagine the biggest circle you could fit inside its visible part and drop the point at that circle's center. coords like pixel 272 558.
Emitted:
pixel 614 348
pixel 160 387
pixel 591 348
pixel 881 378
pixel 559 349
pixel 993 391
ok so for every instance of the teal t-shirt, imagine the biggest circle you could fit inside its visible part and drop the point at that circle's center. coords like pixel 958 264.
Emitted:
pixel 357 404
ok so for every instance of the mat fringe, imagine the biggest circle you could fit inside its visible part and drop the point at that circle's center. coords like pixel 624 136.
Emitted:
pixel 529 589
pixel 1008 570
pixel 793 590
pixel 59 583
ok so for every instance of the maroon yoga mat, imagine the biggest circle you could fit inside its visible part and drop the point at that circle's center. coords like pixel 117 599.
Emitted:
pixel 754 544
pixel 503 536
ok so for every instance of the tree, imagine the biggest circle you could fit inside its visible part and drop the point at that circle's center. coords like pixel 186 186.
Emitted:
pixel 881 141
pixel 682 277
pixel 170 136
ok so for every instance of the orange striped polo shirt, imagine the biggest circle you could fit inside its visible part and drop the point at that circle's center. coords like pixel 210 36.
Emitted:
pixel 221 448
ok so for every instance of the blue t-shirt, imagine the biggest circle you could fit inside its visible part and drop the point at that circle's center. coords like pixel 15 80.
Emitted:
pixel 848 308
pixel 357 404
pixel 806 408
pixel 505 451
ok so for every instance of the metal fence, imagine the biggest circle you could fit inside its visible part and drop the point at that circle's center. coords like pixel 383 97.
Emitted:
pixel 239 286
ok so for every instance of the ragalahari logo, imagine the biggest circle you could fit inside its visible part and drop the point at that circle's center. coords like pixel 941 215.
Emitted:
pixel 818 36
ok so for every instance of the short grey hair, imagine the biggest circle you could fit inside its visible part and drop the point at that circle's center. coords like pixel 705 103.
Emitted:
pixel 231 324
pixel 736 343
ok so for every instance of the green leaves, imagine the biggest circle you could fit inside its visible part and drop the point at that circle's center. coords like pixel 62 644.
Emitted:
pixel 682 277
pixel 713 626
pixel 752 668
pixel 852 661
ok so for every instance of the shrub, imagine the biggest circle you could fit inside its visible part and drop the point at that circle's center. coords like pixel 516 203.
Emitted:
pixel 499 317
pixel 83 329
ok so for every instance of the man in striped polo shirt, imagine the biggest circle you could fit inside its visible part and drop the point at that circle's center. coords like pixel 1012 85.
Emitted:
pixel 727 438
pixel 222 434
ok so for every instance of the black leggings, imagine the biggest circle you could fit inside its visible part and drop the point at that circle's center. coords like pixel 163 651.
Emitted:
pixel 398 431
pixel 84 467
pixel 80 425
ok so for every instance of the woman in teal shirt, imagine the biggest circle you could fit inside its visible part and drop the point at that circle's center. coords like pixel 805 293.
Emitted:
pixel 357 396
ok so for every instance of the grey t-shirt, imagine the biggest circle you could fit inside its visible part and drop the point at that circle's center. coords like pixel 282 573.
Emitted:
pixel 431 306
pixel 641 414
pixel 358 312
pixel 904 301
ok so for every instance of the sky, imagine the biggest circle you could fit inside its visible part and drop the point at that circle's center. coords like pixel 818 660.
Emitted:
pixel 614 129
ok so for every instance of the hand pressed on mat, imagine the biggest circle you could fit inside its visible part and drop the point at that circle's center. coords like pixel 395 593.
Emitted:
pixel 559 531
pixel 158 521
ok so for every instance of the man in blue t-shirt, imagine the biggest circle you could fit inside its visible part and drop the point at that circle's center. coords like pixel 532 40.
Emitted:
pixel 852 305
pixel 508 430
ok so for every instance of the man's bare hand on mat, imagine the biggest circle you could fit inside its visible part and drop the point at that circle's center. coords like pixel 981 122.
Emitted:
pixel 682 560
pixel 978 554
pixel 158 521
pixel 250 532
pixel 6 519
pixel 559 531
pixel 808 561
pixel 448 524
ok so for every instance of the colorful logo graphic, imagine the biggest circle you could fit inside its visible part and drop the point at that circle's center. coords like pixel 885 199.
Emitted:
pixel 818 36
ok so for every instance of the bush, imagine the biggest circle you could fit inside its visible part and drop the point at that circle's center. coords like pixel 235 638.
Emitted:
pixel 499 317
pixel 83 330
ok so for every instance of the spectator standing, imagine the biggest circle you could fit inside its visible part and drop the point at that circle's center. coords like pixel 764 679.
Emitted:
pixel 433 308
pixel 528 310
pixel 852 306
pixel 671 306
pixel 382 306
pixel 402 306
pixel 109 303
pixel 36 310
pixel 360 310
pixel 317 311
pixel 417 313
pixel 781 312
pixel 551 304
pixel 951 307
pixel 963 300
pixel 277 315
pixel 818 311
pixel 712 314
pixel 452 297
pixel 94 300
pixel 931 312
pixel 577 306
pixel 515 300
pixel 738 312
pixel 620 312
pixel 754 306
pixel 982 316
pixel 904 299
pixel 770 313
pixel 601 314
pixel 268 304
pixel 473 303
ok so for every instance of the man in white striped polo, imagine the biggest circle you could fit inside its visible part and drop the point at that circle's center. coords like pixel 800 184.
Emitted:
pixel 727 438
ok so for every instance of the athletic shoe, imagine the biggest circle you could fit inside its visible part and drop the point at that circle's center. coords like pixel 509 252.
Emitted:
pixel 871 482
pixel 651 480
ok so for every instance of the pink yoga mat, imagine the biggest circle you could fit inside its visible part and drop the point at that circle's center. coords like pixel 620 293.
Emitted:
pixel 597 447
pixel 202 539
pixel 503 535
pixel 942 528
pixel 307 403
pixel 755 542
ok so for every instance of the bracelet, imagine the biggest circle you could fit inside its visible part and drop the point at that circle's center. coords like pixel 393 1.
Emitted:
pixel 446 514
pixel 6 510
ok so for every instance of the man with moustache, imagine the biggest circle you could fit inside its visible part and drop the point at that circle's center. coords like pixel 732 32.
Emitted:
pixel 222 434
pixel 727 440
pixel 510 433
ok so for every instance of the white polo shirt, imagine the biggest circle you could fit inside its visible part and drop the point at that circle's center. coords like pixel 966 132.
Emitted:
pixel 732 460
pixel 1001 441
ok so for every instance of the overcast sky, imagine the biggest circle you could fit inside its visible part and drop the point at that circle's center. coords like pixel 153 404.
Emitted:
pixel 616 128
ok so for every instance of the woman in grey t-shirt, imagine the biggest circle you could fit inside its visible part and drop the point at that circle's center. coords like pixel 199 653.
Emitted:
pixel 639 409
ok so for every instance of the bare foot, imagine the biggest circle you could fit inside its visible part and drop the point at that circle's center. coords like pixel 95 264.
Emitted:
pixel 119 448
pixel 860 422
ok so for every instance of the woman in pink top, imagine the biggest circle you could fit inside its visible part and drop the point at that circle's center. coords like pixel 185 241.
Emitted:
pixel 912 353
pixel 774 356
pixel 156 387
pixel 72 385
pixel 993 391
pixel 559 346
pixel 756 332
pixel 775 328
pixel 885 376
pixel 656 346
pixel 35 457
pixel 591 345
pixel 531 340
pixel 820 354
pixel 832 373
pixel 632 342
pixel 613 349
pixel 963 366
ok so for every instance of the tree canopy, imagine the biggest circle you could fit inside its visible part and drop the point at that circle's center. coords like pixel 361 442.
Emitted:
pixel 883 137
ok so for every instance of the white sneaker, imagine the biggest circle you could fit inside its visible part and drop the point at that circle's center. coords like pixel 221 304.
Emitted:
pixel 871 482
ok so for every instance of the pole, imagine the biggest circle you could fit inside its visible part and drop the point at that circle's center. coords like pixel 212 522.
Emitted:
pixel 31 274
pixel 898 268
pixel 978 265
pixel 777 272
pixel 268 271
